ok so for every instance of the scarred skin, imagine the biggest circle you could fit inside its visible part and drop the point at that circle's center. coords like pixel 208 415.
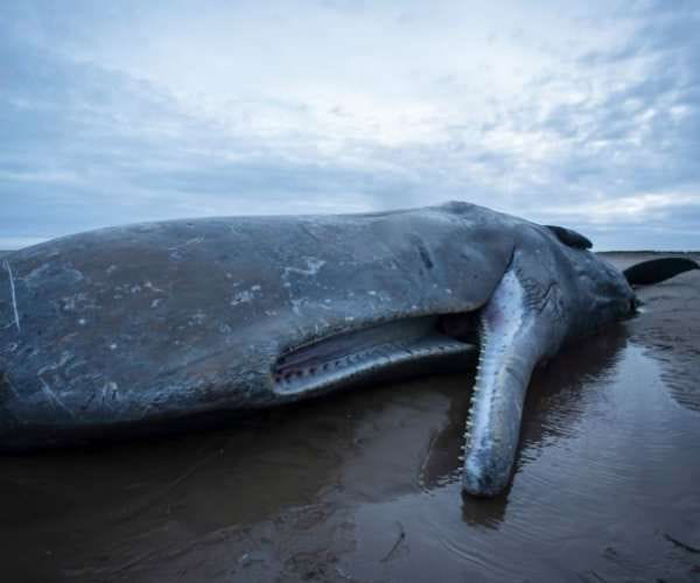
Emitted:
pixel 112 331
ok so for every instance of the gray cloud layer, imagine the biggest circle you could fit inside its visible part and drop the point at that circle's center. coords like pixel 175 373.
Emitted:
pixel 135 111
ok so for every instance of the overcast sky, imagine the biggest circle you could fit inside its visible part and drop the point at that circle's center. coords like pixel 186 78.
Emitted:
pixel 583 114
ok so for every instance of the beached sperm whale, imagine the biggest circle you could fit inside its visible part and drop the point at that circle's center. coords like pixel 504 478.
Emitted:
pixel 120 329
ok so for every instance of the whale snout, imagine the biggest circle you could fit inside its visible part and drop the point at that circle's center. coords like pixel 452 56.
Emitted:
pixel 486 477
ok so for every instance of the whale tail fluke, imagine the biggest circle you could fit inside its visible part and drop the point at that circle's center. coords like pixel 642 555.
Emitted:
pixel 658 270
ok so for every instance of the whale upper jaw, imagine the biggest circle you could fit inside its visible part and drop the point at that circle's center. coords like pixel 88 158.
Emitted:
pixel 376 351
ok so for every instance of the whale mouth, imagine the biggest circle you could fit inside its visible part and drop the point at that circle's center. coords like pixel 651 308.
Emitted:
pixel 377 352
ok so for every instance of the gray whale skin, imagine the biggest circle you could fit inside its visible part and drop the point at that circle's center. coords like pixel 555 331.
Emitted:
pixel 131 329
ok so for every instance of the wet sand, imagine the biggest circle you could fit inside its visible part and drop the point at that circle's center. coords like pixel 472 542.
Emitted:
pixel 364 486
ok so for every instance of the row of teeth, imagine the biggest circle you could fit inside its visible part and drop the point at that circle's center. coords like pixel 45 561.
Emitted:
pixel 377 352
pixel 485 336
pixel 489 352
pixel 298 373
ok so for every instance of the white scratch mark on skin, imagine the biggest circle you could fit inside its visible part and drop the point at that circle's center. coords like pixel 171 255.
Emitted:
pixel 186 243
pixel 313 266
pixel 53 397
pixel 6 263
pixel 245 296
pixel 46 388
pixel 197 319
pixel 148 285
pixel 110 393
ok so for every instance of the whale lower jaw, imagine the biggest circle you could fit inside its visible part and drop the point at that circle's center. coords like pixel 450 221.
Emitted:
pixel 377 352
pixel 514 337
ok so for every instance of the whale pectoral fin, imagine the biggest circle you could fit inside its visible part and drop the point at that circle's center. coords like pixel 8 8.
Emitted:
pixel 658 270
pixel 510 349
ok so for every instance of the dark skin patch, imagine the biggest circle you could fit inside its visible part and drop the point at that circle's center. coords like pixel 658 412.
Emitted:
pixel 424 253
pixel 425 257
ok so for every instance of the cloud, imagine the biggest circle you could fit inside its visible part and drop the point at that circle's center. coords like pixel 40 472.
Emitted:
pixel 129 112
pixel 637 209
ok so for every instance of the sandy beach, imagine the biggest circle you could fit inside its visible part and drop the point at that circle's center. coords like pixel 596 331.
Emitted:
pixel 365 486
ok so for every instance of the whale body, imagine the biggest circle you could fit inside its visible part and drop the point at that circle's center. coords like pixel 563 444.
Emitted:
pixel 133 329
